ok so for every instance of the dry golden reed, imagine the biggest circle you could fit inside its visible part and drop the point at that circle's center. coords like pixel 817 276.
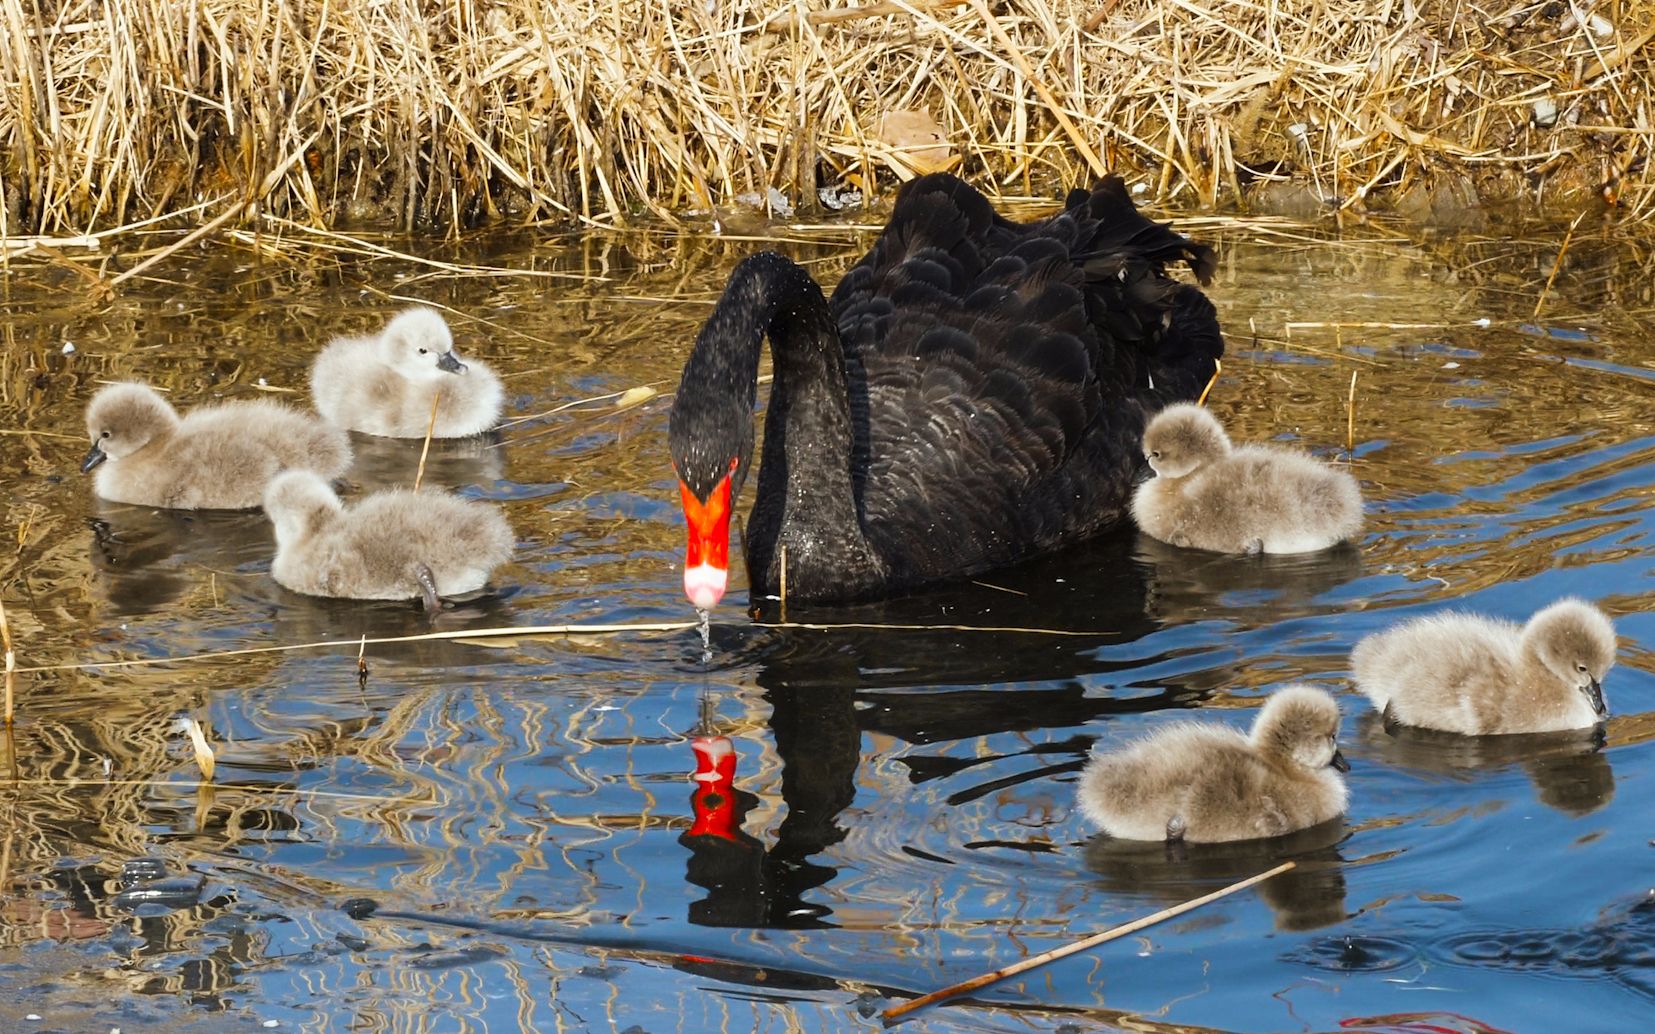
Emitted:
pixel 442 115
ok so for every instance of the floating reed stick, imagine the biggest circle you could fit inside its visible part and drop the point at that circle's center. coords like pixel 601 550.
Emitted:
pixel 425 449
pixel 898 1011
pixel 549 631
pixel 362 663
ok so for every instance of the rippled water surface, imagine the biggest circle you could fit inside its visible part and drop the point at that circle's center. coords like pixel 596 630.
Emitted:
pixel 899 815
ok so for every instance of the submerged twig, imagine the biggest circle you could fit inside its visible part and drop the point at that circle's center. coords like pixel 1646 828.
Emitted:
pixel 898 1011
pixel 1562 249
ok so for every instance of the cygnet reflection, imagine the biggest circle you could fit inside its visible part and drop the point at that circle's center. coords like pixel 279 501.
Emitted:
pixel 1309 896
pixel 451 463
pixel 1569 770
pixel 146 559
pixel 1185 584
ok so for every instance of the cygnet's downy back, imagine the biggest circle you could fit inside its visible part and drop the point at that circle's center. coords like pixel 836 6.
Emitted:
pixel 1208 494
pixel 1476 676
pixel 394 545
pixel 217 457
pixel 385 384
pixel 1206 782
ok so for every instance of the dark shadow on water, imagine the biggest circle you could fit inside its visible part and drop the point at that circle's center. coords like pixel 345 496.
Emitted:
pixel 1304 898
pixel 1569 770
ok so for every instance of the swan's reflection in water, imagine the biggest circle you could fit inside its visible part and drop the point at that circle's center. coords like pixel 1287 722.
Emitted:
pixel 1569 770
pixel 1309 896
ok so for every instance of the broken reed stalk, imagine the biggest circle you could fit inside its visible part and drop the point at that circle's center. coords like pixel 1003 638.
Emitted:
pixel 362 663
pixel 1218 368
pixel 11 664
pixel 1350 418
pixel 425 448
pixel 783 588
pixel 1562 249
pixel 898 1011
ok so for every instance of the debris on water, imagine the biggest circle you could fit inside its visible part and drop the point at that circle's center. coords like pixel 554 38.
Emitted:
pixel 352 942
pixel 460 957
pixel 171 893
pixel 867 1003
pixel 359 908
pixel 772 200
pixel 142 870
pixel 839 197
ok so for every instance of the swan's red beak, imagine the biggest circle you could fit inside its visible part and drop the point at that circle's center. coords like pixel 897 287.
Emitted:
pixel 707 557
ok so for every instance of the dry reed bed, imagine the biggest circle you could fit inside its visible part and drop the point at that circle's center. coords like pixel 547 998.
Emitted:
pixel 437 115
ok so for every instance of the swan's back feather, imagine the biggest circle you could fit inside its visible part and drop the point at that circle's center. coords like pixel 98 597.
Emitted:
pixel 1006 370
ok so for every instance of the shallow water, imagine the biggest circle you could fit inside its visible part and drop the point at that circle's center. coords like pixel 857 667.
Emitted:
pixel 898 816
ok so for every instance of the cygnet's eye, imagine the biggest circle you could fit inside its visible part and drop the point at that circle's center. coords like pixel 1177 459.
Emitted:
pixel 424 351
pixel 1155 454
pixel 1581 668
pixel 105 434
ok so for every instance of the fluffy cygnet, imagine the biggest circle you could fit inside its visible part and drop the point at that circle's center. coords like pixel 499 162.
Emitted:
pixel 384 383
pixel 394 545
pixel 1476 676
pixel 1206 783
pixel 216 457
pixel 1208 494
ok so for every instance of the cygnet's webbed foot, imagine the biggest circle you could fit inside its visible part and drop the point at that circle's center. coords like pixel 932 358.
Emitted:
pixel 1387 718
pixel 428 590
pixel 1254 547
pixel 1175 838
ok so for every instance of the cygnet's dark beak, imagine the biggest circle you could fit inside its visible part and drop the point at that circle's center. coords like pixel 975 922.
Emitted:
pixel 1594 693
pixel 450 362
pixel 1339 763
pixel 96 455
pixel 1145 473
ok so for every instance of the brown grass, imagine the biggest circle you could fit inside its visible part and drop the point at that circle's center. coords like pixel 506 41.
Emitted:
pixel 441 116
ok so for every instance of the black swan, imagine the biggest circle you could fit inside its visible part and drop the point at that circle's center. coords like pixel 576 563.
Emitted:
pixel 974 393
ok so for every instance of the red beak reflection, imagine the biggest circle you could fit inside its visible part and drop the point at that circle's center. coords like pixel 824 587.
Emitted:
pixel 715 788
pixel 707 557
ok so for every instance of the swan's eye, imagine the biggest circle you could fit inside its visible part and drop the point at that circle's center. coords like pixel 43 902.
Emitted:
pixel 424 351
pixel 735 461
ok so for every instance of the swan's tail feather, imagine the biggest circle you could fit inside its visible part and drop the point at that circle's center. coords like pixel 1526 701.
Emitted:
pixel 1121 230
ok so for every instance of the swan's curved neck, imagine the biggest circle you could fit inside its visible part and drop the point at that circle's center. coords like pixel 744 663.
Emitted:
pixel 806 497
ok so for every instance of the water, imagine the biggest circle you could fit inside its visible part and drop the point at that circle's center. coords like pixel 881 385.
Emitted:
pixel 792 828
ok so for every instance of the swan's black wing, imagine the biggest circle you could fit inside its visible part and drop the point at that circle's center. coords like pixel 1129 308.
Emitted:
pixel 999 373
